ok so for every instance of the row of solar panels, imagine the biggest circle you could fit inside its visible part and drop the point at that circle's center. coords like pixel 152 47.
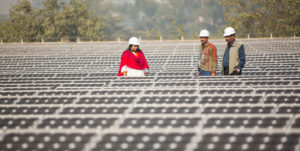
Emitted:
pixel 281 121
pixel 112 76
pixel 161 99
pixel 154 141
pixel 149 91
pixel 151 109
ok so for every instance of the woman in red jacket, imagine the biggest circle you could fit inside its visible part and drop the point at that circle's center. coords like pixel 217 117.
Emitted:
pixel 133 62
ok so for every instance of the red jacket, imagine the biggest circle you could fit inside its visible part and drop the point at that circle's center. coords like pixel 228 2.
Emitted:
pixel 138 61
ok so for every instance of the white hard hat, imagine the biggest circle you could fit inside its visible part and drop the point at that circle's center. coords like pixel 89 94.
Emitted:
pixel 133 41
pixel 204 33
pixel 229 31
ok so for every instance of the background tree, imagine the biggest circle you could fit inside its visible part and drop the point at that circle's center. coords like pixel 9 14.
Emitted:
pixel 25 22
pixel 108 20
pixel 56 19
pixel 261 18
pixel 70 20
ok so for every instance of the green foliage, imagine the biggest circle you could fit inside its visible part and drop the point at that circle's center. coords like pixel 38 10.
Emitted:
pixel 24 22
pixel 171 19
pixel 54 21
pixel 261 18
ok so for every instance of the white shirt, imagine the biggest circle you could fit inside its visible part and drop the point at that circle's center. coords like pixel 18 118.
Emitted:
pixel 132 72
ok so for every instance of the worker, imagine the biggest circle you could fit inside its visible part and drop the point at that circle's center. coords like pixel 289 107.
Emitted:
pixel 234 58
pixel 133 62
pixel 208 56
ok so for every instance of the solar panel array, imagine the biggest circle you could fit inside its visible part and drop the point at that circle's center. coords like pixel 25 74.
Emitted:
pixel 67 97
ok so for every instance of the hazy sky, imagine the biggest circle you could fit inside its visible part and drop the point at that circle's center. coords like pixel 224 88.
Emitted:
pixel 5 5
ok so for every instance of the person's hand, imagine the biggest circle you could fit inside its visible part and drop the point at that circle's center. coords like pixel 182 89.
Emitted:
pixel 213 74
pixel 146 73
pixel 237 70
pixel 198 74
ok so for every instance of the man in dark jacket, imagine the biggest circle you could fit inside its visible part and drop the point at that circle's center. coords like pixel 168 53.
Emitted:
pixel 234 57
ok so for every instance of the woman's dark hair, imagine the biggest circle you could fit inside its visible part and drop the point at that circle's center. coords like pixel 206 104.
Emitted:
pixel 129 48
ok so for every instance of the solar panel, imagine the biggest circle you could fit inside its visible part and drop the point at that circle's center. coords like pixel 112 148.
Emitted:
pixel 68 97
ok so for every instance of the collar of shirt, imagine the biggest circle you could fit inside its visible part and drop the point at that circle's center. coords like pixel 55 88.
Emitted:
pixel 205 45
pixel 230 44
pixel 135 53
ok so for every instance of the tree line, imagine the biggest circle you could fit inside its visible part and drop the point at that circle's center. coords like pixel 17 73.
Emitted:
pixel 260 18
pixel 101 20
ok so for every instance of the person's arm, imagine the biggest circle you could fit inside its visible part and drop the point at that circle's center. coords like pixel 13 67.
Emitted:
pixel 146 71
pixel 214 61
pixel 124 70
pixel 242 58
pixel 123 66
